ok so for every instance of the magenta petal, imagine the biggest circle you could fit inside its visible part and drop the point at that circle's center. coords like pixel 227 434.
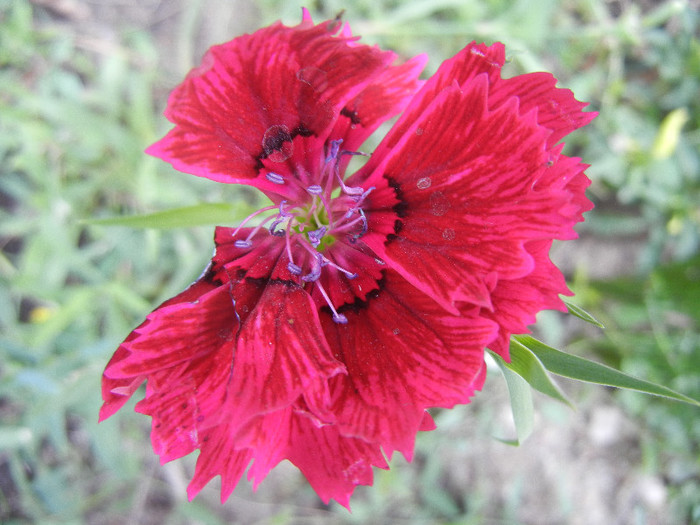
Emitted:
pixel 466 208
pixel 116 392
pixel 333 464
pixel 219 457
pixel 252 97
pixel 117 388
pixel 472 61
pixel 178 333
pixel 403 354
pixel 281 351
pixel 557 109
pixel 187 403
pixel 516 302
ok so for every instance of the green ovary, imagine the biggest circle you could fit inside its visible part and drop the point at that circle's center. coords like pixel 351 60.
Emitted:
pixel 311 219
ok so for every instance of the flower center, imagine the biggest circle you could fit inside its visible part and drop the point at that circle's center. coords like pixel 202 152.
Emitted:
pixel 333 211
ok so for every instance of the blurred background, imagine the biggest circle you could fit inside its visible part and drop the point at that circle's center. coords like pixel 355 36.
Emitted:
pixel 83 84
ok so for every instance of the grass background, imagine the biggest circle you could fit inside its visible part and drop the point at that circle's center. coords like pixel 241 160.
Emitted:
pixel 82 88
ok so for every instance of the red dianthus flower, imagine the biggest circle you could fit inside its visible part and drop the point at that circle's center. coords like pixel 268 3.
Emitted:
pixel 322 332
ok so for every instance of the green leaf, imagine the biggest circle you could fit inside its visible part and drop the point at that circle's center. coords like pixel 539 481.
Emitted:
pixel 520 403
pixel 582 314
pixel 207 214
pixel 581 369
pixel 524 363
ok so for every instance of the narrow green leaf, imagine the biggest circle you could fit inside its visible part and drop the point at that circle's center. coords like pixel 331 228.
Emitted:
pixel 520 403
pixel 524 363
pixel 219 213
pixel 582 314
pixel 581 369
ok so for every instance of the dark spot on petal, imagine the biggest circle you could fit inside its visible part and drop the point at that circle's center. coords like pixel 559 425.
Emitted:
pixel 398 226
pixel 302 130
pixel 351 114
pixel 401 207
pixel 283 282
pixel 200 419
pixel 277 143
pixel 395 185
pixel 183 406
pixel 359 304
pixel 258 282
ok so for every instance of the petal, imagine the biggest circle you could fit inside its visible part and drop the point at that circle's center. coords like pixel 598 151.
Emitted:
pixel 403 354
pixel 381 100
pixel 219 457
pixel 187 403
pixel 464 177
pixel 473 60
pixel 557 109
pixel 116 392
pixel 281 350
pixel 333 464
pixel 517 302
pixel 118 388
pixel 178 333
pixel 259 99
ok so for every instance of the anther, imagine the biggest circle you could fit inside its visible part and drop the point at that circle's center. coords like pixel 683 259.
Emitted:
pixel 242 243
pixel 315 272
pixel 293 268
pixel 333 153
pixel 364 223
pixel 313 275
pixel 315 189
pixel 274 178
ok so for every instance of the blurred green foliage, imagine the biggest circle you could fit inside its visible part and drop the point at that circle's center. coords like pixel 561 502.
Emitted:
pixel 75 115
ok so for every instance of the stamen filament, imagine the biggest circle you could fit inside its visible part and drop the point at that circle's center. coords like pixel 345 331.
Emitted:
pixel 338 318
pixel 249 217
